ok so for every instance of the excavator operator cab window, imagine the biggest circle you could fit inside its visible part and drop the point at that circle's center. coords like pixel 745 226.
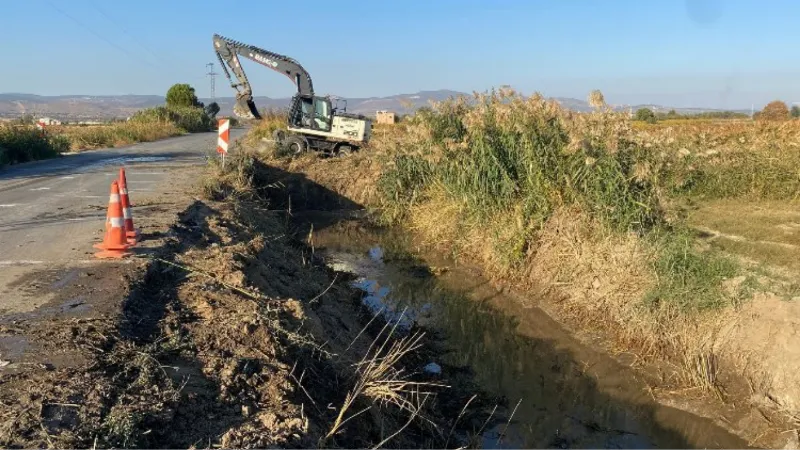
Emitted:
pixel 306 112
pixel 322 114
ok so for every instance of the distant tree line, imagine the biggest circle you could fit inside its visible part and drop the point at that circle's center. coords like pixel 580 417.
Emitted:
pixel 647 115
pixel 773 111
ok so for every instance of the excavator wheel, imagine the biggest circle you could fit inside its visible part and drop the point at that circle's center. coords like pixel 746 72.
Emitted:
pixel 344 150
pixel 296 145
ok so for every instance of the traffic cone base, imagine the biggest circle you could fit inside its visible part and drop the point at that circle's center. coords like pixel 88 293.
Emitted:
pixel 112 254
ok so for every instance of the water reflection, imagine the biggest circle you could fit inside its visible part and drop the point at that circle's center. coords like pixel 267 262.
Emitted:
pixel 558 393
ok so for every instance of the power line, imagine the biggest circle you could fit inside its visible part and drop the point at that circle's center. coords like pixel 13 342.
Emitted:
pixel 122 28
pixel 98 36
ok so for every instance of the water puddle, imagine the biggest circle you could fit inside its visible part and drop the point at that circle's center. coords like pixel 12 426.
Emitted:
pixel 122 160
pixel 558 392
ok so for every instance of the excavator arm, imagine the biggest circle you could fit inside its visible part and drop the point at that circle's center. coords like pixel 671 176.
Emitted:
pixel 228 52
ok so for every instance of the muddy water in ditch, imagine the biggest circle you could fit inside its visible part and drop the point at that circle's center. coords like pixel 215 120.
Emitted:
pixel 556 392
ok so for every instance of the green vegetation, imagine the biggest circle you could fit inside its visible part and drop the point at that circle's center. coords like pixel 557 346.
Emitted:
pixel 646 115
pixel 187 118
pixel 508 164
pixel 119 134
pixel 181 114
pixel 708 115
pixel 689 279
pixel 23 143
pixel 182 95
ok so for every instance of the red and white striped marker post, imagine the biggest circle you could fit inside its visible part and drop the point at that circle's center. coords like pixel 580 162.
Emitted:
pixel 224 127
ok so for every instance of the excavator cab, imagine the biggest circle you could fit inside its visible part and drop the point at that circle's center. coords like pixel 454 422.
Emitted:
pixel 312 113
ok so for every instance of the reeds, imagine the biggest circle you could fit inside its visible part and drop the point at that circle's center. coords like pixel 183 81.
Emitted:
pixel 118 134
pixel 544 197
pixel 23 143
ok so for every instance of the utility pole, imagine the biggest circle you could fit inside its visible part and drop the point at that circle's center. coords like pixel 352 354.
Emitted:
pixel 211 74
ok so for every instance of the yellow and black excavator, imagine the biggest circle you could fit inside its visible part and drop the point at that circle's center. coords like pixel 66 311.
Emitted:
pixel 314 122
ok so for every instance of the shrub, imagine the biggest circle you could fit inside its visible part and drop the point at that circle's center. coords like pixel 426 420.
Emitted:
pixel 775 110
pixel 645 115
pixel 181 95
pixel 190 119
pixel 21 144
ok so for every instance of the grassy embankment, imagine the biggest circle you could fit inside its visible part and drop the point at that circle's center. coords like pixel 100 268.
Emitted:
pixel 591 207
pixel 23 143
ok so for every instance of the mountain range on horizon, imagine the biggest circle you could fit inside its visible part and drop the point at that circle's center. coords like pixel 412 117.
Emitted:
pixel 104 107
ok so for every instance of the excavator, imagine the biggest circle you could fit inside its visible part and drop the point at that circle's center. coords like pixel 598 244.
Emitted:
pixel 314 121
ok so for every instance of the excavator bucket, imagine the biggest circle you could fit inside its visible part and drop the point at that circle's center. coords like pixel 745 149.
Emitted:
pixel 246 109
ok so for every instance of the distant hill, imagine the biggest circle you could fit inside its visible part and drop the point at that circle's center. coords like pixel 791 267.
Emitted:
pixel 88 107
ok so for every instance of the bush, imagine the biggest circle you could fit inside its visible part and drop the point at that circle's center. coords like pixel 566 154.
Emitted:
pixel 645 115
pixel 212 109
pixel 190 119
pixel 182 95
pixel 775 110
pixel 21 144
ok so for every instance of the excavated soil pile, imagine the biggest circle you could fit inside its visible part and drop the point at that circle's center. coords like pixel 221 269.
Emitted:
pixel 237 335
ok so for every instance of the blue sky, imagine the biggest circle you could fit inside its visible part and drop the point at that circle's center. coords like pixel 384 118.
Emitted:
pixel 712 53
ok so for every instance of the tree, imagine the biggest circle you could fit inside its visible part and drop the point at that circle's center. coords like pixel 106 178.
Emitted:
pixel 182 94
pixel 645 115
pixel 212 109
pixel 775 110
pixel 596 99
pixel 795 111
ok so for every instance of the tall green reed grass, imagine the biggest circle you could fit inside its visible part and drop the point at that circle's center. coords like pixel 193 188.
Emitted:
pixel 504 150
pixel 502 155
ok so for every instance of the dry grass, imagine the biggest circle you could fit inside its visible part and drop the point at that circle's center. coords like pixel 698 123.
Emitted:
pixel 116 134
pixel 270 121
pixel 588 206
pixel 381 379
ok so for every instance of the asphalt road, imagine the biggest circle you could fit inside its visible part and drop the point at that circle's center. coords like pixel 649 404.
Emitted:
pixel 51 212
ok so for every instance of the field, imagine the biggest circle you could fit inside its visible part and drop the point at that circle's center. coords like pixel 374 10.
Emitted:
pixel 676 241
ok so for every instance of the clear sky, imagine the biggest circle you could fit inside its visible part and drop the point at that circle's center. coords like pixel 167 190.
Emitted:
pixel 711 53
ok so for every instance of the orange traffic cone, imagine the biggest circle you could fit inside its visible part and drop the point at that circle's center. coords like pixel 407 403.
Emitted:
pixel 114 244
pixel 130 232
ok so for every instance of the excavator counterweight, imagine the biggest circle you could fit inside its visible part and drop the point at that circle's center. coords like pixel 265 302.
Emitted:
pixel 313 122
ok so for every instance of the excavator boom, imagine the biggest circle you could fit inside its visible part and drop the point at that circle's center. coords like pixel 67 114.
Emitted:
pixel 228 52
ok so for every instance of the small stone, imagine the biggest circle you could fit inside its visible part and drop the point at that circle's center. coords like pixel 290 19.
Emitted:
pixel 245 410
